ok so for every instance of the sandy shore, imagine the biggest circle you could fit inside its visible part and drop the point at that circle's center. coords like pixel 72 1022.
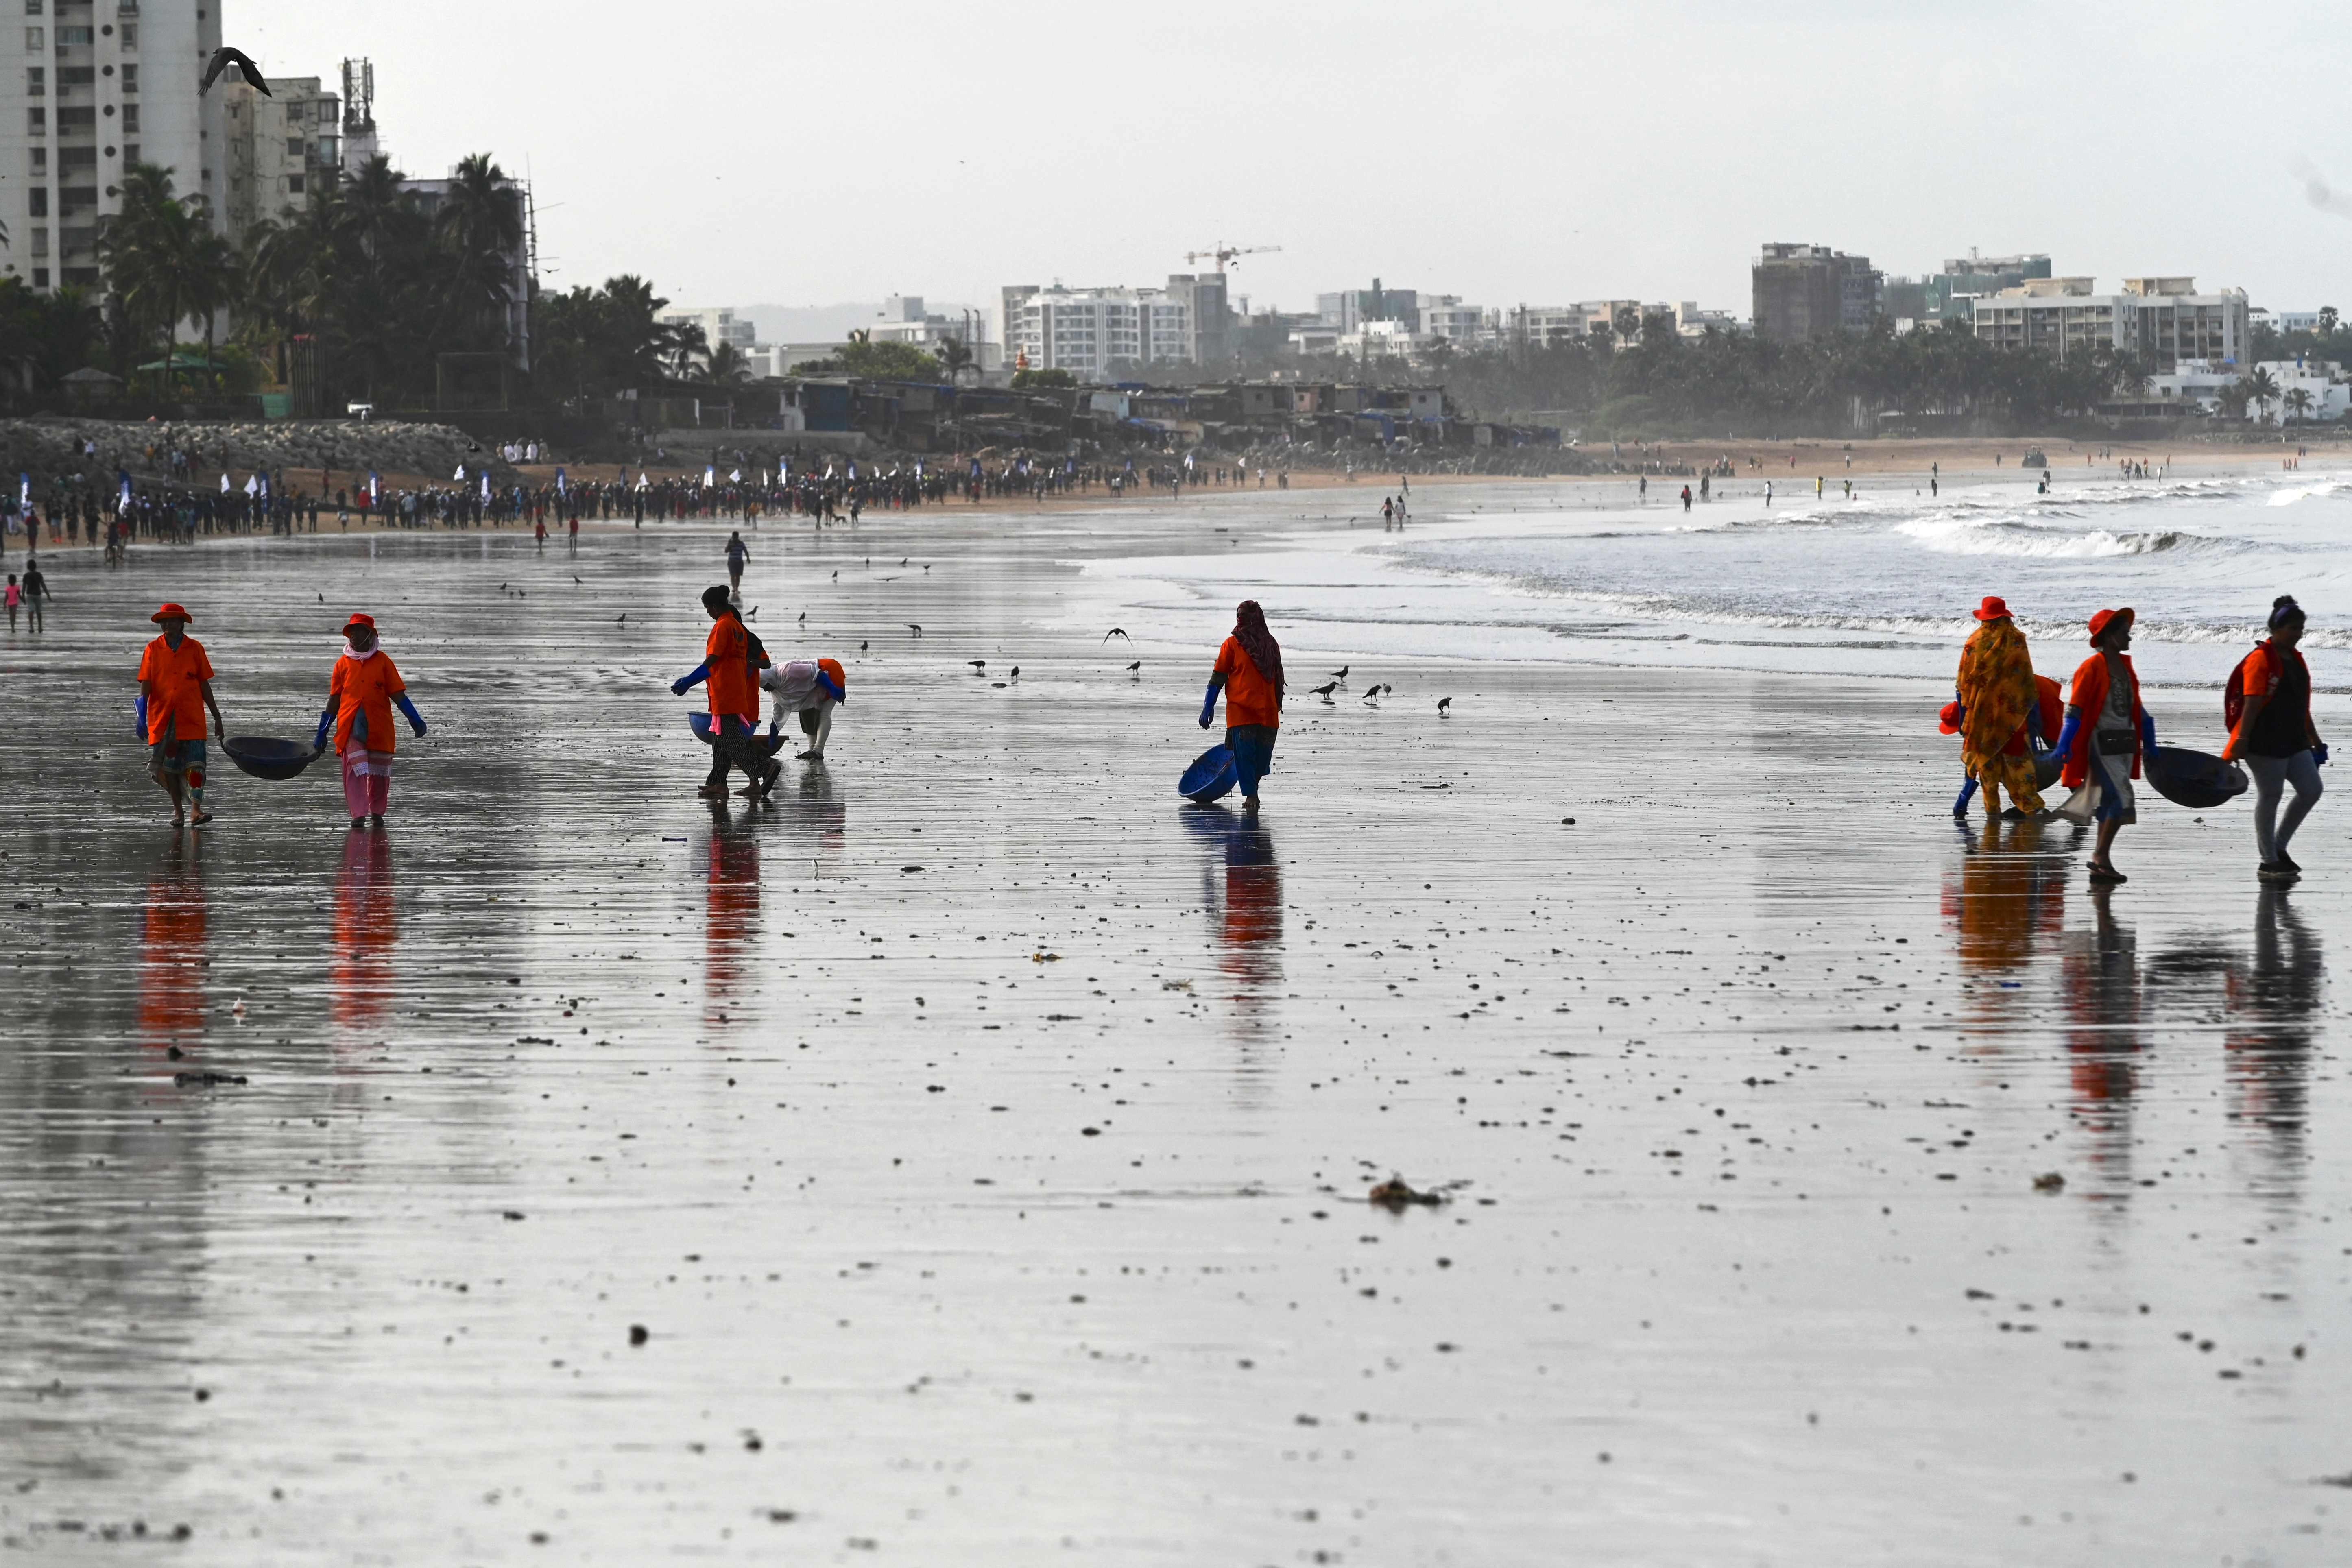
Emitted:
pixel 982 1137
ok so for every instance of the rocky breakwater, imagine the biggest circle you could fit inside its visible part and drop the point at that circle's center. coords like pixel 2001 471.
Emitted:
pixel 58 449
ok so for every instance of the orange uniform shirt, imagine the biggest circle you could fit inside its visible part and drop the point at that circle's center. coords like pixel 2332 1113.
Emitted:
pixel 1249 696
pixel 734 688
pixel 365 687
pixel 175 678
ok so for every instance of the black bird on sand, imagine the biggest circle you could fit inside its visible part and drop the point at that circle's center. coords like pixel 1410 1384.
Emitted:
pixel 836 576
pixel 914 628
pixel 861 647
pixel 1325 691
pixel 1114 632
pixel 753 613
pixel 803 614
pixel 1341 673
pixel 224 58
pixel 575 576
pixel 978 665
pixel 1135 668
pixel 1016 672
pixel 1371 691
pixel 624 620
pixel 1386 689
pixel 1442 704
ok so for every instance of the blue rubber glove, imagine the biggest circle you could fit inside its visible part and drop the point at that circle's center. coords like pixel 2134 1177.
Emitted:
pixel 2148 731
pixel 409 708
pixel 692 678
pixel 142 704
pixel 326 719
pixel 1209 706
pixel 824 684
pixel 2066 733
pixel 2319 753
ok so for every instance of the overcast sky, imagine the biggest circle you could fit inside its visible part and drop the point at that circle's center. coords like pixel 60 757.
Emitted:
pixel 735 150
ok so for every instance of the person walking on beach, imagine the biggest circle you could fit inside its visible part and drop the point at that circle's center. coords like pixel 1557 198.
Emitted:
pixel 539 533
pixel 1999 705
pixel 16 598
pixel 810 689
pixel 2268 707
pixel 1768 492
pixel 731 659
pixel 176 688
pixel 2105 731
pixel 1249 671
pixel 738 555
pixel 362 693
pixel 1687 498
pixel 36 592
pixel 575 533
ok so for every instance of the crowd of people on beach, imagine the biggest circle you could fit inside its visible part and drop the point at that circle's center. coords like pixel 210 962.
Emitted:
pixel 2017 731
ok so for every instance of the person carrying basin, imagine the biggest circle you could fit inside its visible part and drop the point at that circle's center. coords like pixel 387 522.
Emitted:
pixel 1998 713
pixel 2268 706
pixel 176 688
pixel 361 695
pixel 2105 733
pixel 1249 671
pixel 732 661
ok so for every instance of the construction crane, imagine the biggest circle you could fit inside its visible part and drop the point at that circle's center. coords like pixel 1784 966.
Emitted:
pixel 1221 253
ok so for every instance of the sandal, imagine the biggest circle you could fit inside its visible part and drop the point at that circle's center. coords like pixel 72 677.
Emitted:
pixel 2106 874
pixel 201 818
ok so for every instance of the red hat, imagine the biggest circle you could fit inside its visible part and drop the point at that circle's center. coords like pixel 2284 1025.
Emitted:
pixel 1994 608
pixel 2100 622
pixel 359 620
pixel 171 612
pixel 1948 721
pixel 832 668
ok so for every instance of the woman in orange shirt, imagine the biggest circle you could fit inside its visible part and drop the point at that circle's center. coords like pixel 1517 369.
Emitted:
pixel 361 695
pixel 1249 673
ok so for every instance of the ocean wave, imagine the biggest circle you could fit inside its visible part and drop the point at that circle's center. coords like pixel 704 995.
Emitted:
pixel 2293 493
pixel 1963 536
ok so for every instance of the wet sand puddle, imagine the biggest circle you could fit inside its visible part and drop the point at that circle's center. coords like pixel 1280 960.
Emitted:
pixel 963 1156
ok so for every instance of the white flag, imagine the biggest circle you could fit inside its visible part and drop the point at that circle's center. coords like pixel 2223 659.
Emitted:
pixel 460 474
pixel 224 481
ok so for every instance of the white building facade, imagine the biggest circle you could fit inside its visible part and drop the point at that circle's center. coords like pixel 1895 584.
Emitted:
pixel 2201 383
pixel 1095 334
pixel 281 151
pixel 2163 318
pixel 97 87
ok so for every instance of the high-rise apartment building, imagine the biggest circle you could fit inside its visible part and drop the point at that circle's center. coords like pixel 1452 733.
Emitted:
pixel 281 151
pixel 99 87
pixel 2164 320
pixel 1100 332
pixel 1809 291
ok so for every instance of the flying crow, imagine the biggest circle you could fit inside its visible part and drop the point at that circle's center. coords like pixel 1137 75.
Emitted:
pixel 224 58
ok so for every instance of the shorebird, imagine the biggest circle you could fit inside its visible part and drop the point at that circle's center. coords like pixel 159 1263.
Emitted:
pixel 1341 673
pixel 861 647
pixel 1371 691
pixel 224 58
pixel 1325 691
pixel 1137 665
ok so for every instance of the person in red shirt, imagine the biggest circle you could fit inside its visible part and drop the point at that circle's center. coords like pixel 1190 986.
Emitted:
pixel 2105 731
pixel 361 695
pixel 1249 673
pixel 176 688
pixel 732 661
pixel 2268 706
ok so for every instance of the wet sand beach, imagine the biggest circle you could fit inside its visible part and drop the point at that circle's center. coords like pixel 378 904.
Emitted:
pixel 963 1156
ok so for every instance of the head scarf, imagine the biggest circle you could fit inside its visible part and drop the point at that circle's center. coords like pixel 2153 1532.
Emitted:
pixel 2283 609
pixel 1250 630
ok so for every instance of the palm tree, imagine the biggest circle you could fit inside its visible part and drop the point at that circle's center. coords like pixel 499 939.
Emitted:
pixel 954 355
pixel 727 365
pixel 163 261
pixel 2328 320
pixel 2298 402
pixel 2262 391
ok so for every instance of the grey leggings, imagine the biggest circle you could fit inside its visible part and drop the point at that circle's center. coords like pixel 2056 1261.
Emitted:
pixel 2273 775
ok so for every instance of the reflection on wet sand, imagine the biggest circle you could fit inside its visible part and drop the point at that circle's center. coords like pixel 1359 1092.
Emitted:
pixel 2006 904
pixel 1244 905
pixel 731 892
pixel 813 810
pixel 172 957
pixel 360 977
pixel 2273 1001
pixel 2099 984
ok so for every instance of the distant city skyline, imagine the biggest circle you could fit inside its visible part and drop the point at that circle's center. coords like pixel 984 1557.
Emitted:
pixel 1611 150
